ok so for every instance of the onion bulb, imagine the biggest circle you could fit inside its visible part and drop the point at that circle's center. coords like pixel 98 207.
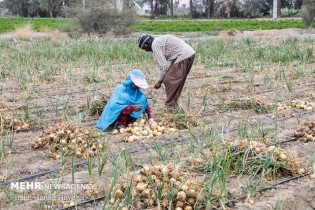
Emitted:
pixel 181 196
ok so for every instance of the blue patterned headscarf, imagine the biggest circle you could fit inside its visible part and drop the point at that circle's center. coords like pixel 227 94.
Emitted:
pixel 124 95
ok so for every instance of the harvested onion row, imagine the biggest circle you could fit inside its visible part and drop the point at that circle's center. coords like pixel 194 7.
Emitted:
pixel 307 106
pixel 143 129
pixel 295 165
pixel 306 132
pixel 67 138
pixel 12 123
pixel 169 178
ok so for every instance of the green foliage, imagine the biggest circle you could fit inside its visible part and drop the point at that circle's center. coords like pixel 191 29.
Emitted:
pixel 181 26
pixel 253 8
pixel 308 12
pixel 99 18
pixel 175 16
pixel 71 25
pixel 10 24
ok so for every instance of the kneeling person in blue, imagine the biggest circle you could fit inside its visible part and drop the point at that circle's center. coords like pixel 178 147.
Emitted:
pixel 127 103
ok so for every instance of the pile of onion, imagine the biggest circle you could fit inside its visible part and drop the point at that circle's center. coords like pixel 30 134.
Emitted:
pixel 12 123
pixel 171 181
pixel 295 165
pixel 306 132
pixel 68 139
pixel 143 129
pixel 297 104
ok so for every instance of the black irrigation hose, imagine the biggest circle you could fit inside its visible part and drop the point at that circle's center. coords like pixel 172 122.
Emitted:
pixel 146 148
pixel 225 203
pixel 266 188
pixel 206 114
pixel 131 151
pixel 36 128
pixel 85 202
pixel 86 162
pixel 242 95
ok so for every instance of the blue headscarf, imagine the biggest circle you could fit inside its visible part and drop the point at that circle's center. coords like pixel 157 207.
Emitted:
pixel 124 95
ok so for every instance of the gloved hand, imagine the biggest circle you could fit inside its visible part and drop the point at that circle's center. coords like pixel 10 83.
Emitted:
pixel 136 108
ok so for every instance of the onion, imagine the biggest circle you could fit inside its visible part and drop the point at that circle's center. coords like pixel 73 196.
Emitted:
pixel 282 156
pixel 144 133
pixel 78 154
pixel 63 141
pixel 191 201
pixel 147 192
pixel 165 171
pixel 119 193
pixel 180 204
pixel 301 171
pixel 139 178
pixel 165 203
pixel 172 129
pixel 184 188
pixel 181 196
pixel 57 156
pixel 141 186
pixel 122 130
pixel 271 148
pixel 130 139
pixel 188 208
pixel 150 136
pixel 115 131
pixel 172 181
pixel 191 193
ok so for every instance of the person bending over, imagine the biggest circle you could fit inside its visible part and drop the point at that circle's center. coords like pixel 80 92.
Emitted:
pixel 181 56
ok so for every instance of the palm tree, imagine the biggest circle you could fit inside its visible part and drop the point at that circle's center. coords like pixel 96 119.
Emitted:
pixel 279 8
pixel 209 8
pixel 172 8
pixel 50 6
pixel 228 7
pixel 190 8
pixel 33 8
pixel 253 8
pixel 14 6
pixel 308 12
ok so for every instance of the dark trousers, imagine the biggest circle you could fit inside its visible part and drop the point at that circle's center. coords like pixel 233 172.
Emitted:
pixel 175 78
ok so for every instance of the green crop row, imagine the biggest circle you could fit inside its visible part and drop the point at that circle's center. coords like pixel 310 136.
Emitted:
pixel 10 24
pixel 217 25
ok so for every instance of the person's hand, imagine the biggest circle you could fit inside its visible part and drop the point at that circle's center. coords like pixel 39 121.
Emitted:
pixel 158 85
pixel 136 108
pixel 151 116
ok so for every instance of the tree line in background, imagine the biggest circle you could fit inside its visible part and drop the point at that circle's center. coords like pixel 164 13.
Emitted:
pixel 197 8
pixel 116 16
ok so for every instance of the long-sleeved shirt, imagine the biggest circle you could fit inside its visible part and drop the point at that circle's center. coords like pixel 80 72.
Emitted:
pixel 170 48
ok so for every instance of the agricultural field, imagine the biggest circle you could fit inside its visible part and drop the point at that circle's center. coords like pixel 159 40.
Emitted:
pixel 70 25
pixel 242 138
